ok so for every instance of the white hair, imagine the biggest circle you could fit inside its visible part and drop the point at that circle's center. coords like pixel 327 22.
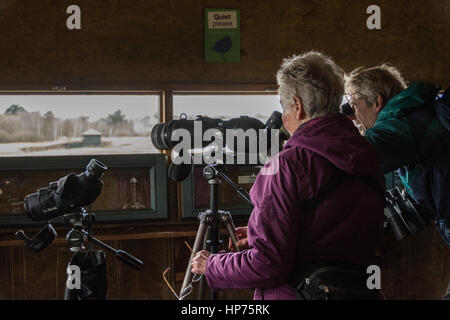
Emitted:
pixel 315 79
pixel 367 83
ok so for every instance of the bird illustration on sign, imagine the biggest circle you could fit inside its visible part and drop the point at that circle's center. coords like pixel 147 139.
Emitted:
pixel 222 46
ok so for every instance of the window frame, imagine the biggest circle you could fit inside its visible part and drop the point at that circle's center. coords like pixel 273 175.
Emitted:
pixel 166 91
pixel 187 197
pixel 155 162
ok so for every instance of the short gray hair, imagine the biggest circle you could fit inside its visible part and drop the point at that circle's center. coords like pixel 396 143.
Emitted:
pixel 367 83
pixel 316 79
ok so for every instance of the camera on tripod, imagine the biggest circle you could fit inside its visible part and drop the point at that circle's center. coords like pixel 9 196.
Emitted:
pixel 67 197
pixel 163 136
pixel 245 139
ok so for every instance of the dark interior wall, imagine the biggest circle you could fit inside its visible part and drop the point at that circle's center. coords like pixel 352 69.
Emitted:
pixel 22 276
pixel 125 42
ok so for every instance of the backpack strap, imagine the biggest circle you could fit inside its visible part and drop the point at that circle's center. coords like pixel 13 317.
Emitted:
pixel 442 109
pixel 335 182
pixel 315 281
pixel 419 120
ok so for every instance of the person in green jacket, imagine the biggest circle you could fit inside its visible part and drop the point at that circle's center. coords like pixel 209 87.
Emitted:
pixel 401 124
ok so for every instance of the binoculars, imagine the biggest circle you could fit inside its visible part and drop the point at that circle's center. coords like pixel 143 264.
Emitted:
pixel 401 215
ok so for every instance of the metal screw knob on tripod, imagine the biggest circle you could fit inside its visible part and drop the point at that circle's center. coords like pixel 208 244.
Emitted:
pixel 88 219
pixel 209 243
pixel 210 172
pixel 75 239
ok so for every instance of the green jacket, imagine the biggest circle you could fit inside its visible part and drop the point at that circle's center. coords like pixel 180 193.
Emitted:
pixel 391 134
pixel 423 159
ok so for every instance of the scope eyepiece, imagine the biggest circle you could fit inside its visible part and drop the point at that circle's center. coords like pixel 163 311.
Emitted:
pixel 95 169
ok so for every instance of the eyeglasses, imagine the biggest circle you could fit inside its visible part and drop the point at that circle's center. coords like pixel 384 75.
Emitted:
pixel 189 288
pixel 349 97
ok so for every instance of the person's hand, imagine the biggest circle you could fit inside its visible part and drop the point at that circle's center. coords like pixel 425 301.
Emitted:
pixel 198 264
pixel 242 242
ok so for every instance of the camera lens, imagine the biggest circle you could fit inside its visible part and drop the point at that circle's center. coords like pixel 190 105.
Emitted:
pixel 162 133
pixel 30 204
pixel 158 136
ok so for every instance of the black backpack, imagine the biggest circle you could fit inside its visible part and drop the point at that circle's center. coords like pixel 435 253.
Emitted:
pixel 442 109
pixel 418 121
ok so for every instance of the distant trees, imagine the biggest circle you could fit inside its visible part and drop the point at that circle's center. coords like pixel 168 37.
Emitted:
pixel 116 117
pixel 118 126
pixel 15 109
pixel 49 129
pixel 68 129
pixel 81 125
pixel 18 125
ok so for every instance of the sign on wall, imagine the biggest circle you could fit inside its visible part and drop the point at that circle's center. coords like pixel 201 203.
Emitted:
pixel 222 35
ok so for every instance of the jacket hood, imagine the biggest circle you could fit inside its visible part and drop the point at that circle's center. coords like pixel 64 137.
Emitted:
pixel 336 138
pixel 414 96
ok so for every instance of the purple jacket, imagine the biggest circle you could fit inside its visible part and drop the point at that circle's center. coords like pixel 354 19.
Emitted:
pixel 345 227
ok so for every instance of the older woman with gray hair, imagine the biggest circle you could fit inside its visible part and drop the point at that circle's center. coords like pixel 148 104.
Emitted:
pixel 404 126
pixel 320 215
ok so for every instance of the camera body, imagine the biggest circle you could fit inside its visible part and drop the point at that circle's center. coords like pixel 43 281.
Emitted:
pixel 243 140
pixel 66 195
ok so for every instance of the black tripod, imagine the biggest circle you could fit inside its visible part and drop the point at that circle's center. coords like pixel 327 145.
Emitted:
pixel 210 220
pixel 90 263
pixel 77 235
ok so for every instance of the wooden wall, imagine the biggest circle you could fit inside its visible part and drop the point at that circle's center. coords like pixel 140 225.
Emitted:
pixel 159 43
pixel 417 267
pixel 29 275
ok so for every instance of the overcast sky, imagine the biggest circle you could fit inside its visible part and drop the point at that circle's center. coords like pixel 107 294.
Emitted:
pixel 139 106
pixel 92 106
pixel 233 106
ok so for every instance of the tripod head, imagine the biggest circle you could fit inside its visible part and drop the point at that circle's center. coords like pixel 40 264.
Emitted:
pixel 76 237
pixel 215 171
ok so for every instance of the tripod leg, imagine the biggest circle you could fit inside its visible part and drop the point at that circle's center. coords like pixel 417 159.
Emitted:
pixel 199 239
pixel 202 284
pixel 214 243
pixel 226 218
